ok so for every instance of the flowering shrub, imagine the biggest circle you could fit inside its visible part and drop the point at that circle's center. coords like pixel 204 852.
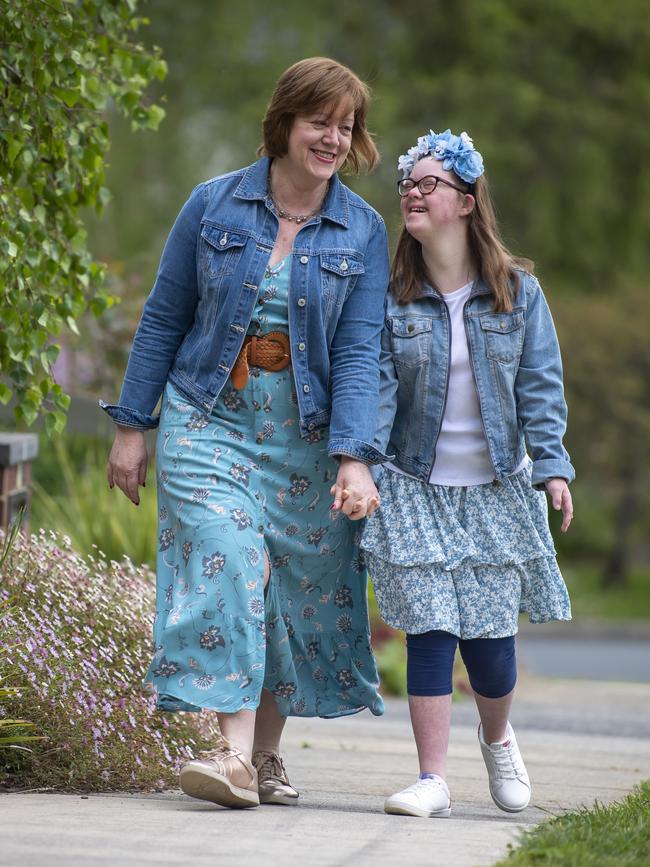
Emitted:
pixel 75 640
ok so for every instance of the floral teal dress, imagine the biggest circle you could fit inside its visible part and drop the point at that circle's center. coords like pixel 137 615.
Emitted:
pixel 231 485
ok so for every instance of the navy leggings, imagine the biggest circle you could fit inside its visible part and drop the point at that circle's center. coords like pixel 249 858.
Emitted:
pixel 490 663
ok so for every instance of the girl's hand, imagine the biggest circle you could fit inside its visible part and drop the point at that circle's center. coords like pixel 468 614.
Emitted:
pixel 561 498
pixel 354 491
pixel 127 462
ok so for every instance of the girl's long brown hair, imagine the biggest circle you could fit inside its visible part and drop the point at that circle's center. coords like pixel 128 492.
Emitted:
pixel 495 264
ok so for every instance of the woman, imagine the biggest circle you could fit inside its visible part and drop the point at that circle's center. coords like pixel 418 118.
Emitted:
pixel 471 376
pixel 263 330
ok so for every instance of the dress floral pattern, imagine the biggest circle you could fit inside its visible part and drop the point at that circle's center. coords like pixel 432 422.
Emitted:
pixel 232 485
pixel 466 560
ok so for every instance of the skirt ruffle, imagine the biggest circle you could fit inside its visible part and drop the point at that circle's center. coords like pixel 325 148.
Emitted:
pixel 466 560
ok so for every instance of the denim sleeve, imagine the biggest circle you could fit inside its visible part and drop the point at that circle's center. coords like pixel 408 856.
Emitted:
pixel 354 358
pixel 539 392
pixel 167 316
pixel 387 394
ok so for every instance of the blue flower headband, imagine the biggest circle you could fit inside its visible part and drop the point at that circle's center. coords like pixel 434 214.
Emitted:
pixel 457 153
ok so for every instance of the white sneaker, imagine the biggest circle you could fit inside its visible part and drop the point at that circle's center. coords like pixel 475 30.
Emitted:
pixel 428 797
pixel 509 783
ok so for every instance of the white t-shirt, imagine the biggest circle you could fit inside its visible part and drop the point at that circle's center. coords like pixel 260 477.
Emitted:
pixel 462 456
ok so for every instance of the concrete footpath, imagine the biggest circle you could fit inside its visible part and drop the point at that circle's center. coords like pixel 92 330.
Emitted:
pixel 581 742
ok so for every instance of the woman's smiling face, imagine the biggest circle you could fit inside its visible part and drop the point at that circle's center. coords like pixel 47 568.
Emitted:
pixel 320 141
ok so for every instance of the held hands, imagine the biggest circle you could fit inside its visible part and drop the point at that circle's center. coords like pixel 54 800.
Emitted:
pixel 354 491
pixel 561 498
pixel 127 463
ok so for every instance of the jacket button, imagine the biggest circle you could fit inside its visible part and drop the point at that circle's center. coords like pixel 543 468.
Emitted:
pixel 344 265
pixel 301 302
pixel 410 328
pixel 503 325
pixel 306 389
pixel 301 347
pixel 310 426
pixel 304 260
pixel 223 241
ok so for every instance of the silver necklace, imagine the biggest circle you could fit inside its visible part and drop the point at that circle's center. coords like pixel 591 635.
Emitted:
pixel 295 218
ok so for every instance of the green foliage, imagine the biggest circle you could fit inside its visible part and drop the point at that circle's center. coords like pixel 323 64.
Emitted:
pixel 79 636
pixel 601 837
pixel 61 64
pixel 71 496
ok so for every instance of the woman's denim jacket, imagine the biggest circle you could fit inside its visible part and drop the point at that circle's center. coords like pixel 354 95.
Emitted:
pixel 199 310
pixel 517 370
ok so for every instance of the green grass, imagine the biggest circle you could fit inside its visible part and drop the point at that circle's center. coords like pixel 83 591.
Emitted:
pixel 590 599
pixel 72 497
pixel 614 836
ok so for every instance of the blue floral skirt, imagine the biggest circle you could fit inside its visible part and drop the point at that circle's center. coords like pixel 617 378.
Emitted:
pixel 466 560
pixel 232 485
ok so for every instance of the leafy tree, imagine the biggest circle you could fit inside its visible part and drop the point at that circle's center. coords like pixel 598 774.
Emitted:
pixel 61 63
pixel 607 370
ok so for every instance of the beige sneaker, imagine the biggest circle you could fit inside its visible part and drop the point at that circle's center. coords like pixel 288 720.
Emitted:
pixel 224 776
pixel 274 785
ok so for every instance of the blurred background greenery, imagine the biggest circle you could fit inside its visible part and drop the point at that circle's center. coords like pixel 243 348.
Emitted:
pixel 557 99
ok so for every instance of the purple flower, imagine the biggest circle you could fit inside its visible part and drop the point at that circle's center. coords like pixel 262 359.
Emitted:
pixel 241 518
pixel 343 597
pixel 166 539
pixel 299 485
pixel 344 623
pixel 240 473
pixel 167 668
pixel 285 690
pixel 211 639
pixel 344 678
pixel 198 421
pixel 213 564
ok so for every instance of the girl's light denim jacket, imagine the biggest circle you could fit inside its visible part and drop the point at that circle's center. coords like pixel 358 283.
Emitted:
pixel 515 359
pixel 197 315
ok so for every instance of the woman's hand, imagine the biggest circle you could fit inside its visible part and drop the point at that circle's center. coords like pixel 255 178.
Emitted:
pixel 561 498
pixel 354 491
pixel 127 462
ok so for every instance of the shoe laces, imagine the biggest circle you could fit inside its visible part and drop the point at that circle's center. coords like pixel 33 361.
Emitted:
pixel 269 765
pixel 220 753
pixel 507 761
pixel 426 784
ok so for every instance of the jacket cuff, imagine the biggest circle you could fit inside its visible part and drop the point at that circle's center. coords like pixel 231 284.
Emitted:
pixel 357 449
pixel 128 417
pixel 551 468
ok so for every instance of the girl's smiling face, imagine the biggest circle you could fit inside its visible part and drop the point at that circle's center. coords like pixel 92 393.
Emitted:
pixel 423 214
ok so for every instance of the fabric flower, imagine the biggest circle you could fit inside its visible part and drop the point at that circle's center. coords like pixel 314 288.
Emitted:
pixel 456 152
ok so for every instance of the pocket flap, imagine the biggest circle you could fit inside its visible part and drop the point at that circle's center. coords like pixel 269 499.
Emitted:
pixel 410 327
pixel 341 264
pixel 502 323
pixel 222 239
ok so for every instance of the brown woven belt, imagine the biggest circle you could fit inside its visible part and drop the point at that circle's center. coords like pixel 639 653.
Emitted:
pixel 270 351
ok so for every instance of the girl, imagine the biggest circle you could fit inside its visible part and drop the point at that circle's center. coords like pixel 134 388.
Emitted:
pixel 471 376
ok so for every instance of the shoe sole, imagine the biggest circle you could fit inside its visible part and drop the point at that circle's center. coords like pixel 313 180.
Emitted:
pixel 285 800
pixel 509 809
pixel 397 809
pixel 216 788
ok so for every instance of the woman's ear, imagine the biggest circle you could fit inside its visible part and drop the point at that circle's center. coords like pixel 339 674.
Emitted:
pixel 469 203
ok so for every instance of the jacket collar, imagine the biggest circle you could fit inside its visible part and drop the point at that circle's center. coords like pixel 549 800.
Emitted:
pixel 478 288
pixel 254 185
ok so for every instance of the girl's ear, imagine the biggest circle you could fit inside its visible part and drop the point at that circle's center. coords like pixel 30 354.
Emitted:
pixel 469 203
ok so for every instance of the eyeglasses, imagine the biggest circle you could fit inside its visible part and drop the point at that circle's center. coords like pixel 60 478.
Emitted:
pixel 425 185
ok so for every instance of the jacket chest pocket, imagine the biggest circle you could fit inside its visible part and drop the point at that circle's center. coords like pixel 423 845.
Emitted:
pixel 339 272
pixel 410 340
pixel 220 251
pixel 504 335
